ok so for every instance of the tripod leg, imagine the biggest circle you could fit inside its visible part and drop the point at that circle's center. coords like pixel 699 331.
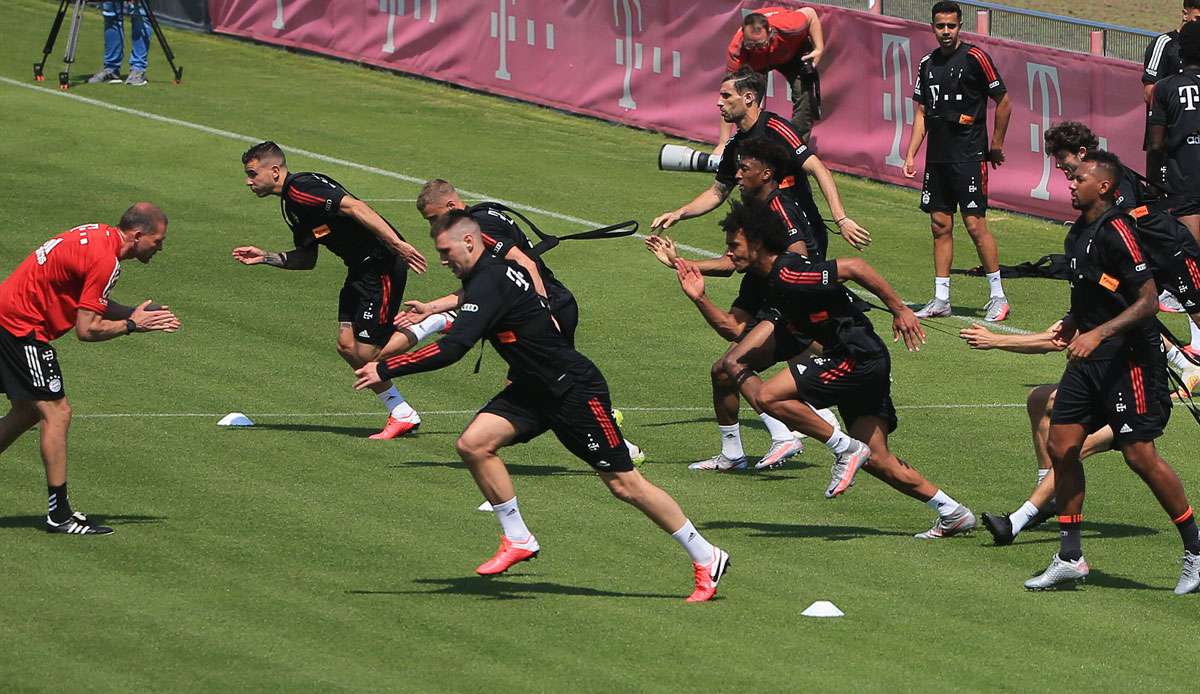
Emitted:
pixel 64 77
pixel 162 40
pixel 50 40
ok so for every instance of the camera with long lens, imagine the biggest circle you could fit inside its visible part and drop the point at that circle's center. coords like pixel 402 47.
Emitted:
pixel 683 158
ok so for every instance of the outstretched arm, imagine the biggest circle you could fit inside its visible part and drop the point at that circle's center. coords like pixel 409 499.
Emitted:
pixel 295 259
pixel 366 216
pixel 904 322
pixel 728 324
pixel 854 234
pixel 703 203
pixel 1052 339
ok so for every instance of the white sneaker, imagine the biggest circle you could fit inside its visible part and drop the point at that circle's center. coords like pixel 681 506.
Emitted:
pixel 960 522
pixel 1058 573
pixel 721 464
pixel 779 452
pixel 1167 303
pixel 936 308
pixel 1189 579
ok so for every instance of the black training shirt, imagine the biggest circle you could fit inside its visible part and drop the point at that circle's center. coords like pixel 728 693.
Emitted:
pixel 500 304
pixel 310 208
pixel 1176 105
pixel 954 89
pixel 794 183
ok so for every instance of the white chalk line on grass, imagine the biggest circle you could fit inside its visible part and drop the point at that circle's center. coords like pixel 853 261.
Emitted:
pixel 381 172
pixel 428 413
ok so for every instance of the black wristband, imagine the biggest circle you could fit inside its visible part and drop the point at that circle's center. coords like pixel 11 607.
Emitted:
pixel 130 326
pixel 743 375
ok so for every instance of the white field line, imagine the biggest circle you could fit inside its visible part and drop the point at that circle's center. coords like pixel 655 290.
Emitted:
pixel 377 413
pixel 377 171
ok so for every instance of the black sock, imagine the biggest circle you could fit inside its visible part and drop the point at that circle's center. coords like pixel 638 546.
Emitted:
pixel 58 507
pixel 1189 532
pixel 1071 547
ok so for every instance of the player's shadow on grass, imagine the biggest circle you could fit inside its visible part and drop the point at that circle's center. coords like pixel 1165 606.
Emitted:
pixel 513 468
pixel 352 431
pixel 39 522
pixel 501 589
pixel 1090 531
pixel 831 533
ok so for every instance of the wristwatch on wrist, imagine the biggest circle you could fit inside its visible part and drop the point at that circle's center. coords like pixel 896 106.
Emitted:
pixel 130 326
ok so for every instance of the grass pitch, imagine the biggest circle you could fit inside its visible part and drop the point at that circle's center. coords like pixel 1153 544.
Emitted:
pixel 299 556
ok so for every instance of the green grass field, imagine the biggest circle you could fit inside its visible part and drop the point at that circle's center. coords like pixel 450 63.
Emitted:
pixel 299 557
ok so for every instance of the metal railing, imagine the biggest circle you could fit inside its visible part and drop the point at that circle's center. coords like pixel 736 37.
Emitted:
pixel 1028 26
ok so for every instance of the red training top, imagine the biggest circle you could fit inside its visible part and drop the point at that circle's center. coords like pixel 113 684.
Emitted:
pixel 790 35
pixel 73 270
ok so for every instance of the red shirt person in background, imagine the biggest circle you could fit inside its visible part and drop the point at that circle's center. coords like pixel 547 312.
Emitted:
pixel 64 285
pixel 790 41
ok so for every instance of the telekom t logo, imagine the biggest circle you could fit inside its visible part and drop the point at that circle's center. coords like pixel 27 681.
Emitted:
pixel 504 29
pixel 1042 78
pixel 629 52
pixel 1189 96
pixel 396 8
pixel 278 23
pixel 897 106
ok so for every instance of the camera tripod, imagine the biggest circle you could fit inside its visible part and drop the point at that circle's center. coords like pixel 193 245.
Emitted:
pixel 64 77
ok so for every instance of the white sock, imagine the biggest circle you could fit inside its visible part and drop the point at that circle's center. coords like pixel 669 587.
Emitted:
pixel 827 414
pixel 779 430
pixel 993 279
pixel 839 443
pixel 510 520
pixel 941 288
pixel 1195 335
pixel 731 441
pixel 1022 516
pixel 396 404
pixel 699 549
pixel 1042 472
pixel 429 326
pixel 1176 359
pixel 943 504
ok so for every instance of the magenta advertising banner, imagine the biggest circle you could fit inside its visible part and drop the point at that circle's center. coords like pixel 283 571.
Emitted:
pixel 656 64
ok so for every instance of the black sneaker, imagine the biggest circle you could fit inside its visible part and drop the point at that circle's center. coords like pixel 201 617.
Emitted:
pixel 77 524
pixel 1000 527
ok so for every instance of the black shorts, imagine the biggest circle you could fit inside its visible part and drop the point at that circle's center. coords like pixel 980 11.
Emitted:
pixel 371 298
pixel 581 419
pixel 29 368
pixel 960 185
pixel 859 387
pixel 1181 277
pixel 788 346
pixel 1130 397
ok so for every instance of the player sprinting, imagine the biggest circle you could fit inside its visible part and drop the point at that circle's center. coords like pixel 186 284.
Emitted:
pixel 320 212
pixel 853 372
pixel 64 285
pixel 553 388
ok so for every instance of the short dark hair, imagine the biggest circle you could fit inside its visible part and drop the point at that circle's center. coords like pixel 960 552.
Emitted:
pixel 758 224
pixel 747 80
pixel 1191 4
pixel 758 19
pixel 1189 41
pixel 945 7
pixel 1109 163
pixel 1071 136
pixel 264 151
pixel 448 220
pixel 771 154
pixel 143 217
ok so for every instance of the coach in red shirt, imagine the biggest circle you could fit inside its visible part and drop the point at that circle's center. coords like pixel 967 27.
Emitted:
pixel 64 284
pixel 790 41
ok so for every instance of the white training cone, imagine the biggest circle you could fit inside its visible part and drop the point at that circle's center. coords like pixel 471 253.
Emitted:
pixel 823 608
pixel 486 507
pixel 235 419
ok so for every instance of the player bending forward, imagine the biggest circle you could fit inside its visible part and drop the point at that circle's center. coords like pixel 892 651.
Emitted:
pixel 553 388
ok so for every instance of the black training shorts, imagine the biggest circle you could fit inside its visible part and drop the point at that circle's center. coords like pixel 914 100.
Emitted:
pixel 581 419
pixel 29 368
pixel 371 297
pixel 960 185
pixel 859 387
pixel 1181 277
pixel 1126 395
